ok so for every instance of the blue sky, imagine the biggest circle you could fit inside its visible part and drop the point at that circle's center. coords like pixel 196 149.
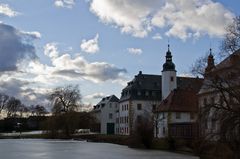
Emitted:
pixel 101 45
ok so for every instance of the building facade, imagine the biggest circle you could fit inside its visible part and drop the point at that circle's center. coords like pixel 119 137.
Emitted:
pixel 177 115
pixel 219 97
pixel 106 113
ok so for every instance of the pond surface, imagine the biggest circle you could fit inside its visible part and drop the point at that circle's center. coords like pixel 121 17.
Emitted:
pixel 65 149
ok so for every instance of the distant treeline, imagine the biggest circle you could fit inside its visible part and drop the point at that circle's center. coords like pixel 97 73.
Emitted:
pixel 22 124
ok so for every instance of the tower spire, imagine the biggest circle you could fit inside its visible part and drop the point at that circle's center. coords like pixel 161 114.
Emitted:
pixel 168 45
pixel 210 63
pixel 168 65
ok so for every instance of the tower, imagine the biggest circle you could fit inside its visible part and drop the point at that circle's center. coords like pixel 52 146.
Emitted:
pixel 169 80
pixel 210 62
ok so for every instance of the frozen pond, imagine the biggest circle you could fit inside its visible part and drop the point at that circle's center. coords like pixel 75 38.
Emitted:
pixel 65 149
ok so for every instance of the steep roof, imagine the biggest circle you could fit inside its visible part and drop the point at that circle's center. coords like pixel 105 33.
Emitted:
pixel 180 100
pixel 113 98
pixel 227 70
pixel 231 61
pixel 149 87
pixel 104 101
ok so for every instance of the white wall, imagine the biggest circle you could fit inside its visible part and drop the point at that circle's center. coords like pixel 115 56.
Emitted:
pixel 167 84
pixel 146 110
pixel 110 107
pixel 102 115
pixel 170 118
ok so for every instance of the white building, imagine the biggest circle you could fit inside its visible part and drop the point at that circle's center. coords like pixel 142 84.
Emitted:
pixel 106 113
pixel 145 92
pixel 177 115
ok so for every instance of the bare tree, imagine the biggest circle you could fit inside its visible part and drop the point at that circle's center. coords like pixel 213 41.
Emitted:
pixel 3 101
pixel 40 110
pixel 65 99
pixel 198 68
pixel 22 109
pixel 231 42
pixel 12 107
pixel 224 113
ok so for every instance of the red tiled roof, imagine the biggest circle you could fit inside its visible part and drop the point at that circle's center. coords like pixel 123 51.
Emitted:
pixel 180 100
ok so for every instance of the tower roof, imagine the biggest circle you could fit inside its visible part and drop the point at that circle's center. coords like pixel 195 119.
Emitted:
pixel 168 65
pixel 210 63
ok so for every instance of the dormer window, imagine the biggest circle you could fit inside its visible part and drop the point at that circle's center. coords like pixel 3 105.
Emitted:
pixel 139 93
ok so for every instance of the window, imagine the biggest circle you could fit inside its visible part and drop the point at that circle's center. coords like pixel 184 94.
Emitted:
pixel 231 101
pixel 221 100
pixel 110 105
pixel 178 115
pixel 139 118
pixel 110 116
pixel 171 79
pixel 153 107
pixel 153 94
pixel 205 101
pixel 127 106
pixel 192 116
pixel 146 93
pixel 139 106
pixel 139 93
pixel 163 115
pixel 206 124
pixel 213 124
pixel 164 130
pixel 212 100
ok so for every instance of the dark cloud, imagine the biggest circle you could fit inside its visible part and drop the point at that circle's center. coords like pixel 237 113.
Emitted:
pixel 12 86
pixel 15 46
pixel 98 96
pixel 100 72
pixel 69 72
pixel 15 87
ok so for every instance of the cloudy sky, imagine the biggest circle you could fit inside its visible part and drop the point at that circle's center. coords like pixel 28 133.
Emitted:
pixel 102 44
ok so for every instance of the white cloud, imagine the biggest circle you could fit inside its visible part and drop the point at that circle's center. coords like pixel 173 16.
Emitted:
pixel 90 46
pixel 129 15
pixel 7 11
pixel 73 68
pixel 135 51
pixel 50 49
pixel 33 34
pixel 64 3
pixel 157 37
pixel 180 18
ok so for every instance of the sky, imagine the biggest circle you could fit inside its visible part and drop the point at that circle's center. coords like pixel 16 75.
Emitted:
pixel 102 44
